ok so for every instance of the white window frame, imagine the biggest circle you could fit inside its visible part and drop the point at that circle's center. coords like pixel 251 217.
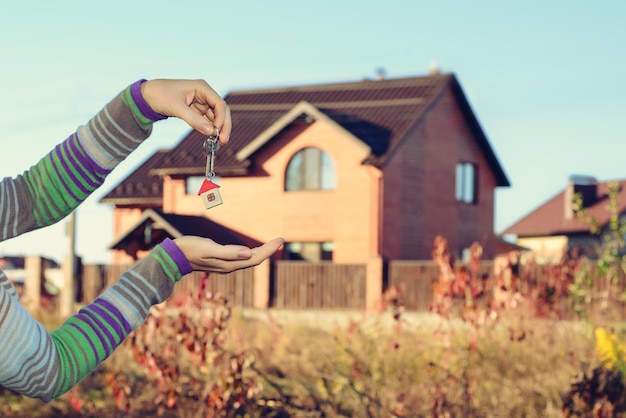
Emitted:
pixel 466 182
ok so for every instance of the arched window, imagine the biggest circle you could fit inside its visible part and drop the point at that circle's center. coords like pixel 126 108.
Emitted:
pixel 310 169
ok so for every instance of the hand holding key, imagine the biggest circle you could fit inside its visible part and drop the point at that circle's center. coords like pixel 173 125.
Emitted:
pixel 193 101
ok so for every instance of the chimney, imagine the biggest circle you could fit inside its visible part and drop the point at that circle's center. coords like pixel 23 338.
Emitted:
pixel 586 186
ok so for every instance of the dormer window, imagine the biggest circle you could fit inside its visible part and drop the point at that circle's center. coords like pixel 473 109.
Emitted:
pixel 466 183
pixel 310 169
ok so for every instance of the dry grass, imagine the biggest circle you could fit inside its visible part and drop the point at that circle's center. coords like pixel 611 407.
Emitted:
pixel 517 368
pixel 373 367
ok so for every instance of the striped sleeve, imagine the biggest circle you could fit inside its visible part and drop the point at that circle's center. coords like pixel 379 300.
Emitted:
pixel 65 177
pixel 45 365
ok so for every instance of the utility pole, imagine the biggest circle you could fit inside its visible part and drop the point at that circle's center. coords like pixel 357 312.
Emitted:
pixel 66 296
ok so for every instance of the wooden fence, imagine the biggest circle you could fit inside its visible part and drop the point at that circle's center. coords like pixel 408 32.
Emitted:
pixel 415 278
pixel 325 285
pixel 294 285
pixel 237 287
pixel 302 285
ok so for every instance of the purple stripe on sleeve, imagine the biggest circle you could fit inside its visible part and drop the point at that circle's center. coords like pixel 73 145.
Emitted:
pixel 86 317
pixel 177 255
pixel 144 107
pixel 104 330
pixel 81 159
pixel 91 344
pixel 109 320
pixel 106 304
pixel 84 159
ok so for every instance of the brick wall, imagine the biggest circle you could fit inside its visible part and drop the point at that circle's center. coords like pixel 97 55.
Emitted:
pixel 419 188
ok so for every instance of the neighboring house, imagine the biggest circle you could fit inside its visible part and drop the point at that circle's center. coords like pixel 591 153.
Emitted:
pixel 553 228
pixel 347 172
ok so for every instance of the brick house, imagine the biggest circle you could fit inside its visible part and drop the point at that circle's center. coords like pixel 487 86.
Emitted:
pixel 552 228
pixel 354 172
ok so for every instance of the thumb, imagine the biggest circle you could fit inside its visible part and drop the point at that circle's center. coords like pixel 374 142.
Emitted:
pixel 197 121
pixel 233 252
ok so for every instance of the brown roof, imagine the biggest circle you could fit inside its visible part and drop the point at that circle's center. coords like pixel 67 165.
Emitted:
pixel 504 247
pixel 377 112
pixel 171 225
pixel 549 219
pixel 140 188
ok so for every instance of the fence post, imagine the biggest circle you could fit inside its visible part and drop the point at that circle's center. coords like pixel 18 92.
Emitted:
pixel 374 284
pixel 66 294
pixel 261 298
pixel 32 285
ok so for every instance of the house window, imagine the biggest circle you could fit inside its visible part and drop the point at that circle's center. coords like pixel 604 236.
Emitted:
pixel 465 255
pixel 309 251
pixel 466 183
pixel 310 169
pixel 193 183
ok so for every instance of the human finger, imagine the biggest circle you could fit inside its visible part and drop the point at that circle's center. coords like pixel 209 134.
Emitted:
pixel 199 117
pixel 220 117
pixel 213 106
pixel 216 117
pixel 232 252
pixel 193 101
pixel 258 255
pixel 226 128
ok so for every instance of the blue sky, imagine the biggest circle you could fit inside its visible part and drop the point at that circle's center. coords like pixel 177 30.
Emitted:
pixel 544 78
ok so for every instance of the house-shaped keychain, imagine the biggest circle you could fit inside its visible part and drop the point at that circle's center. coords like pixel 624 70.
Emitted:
pixel 210 194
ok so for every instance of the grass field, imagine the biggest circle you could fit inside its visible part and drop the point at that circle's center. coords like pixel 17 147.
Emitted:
pixel 338 364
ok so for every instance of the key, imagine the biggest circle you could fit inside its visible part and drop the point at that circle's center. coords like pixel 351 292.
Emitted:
pixel 209 191
pixel 210 148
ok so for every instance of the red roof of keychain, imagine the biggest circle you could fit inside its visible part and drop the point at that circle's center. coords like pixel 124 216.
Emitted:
pixel 206 186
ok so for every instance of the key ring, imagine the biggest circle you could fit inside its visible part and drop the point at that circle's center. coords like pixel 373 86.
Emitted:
pixel 210 146
pixel 208 190
pixel 212 142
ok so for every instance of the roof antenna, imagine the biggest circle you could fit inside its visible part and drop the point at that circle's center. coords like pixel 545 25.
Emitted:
pixel 434 69
pixel 380 73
